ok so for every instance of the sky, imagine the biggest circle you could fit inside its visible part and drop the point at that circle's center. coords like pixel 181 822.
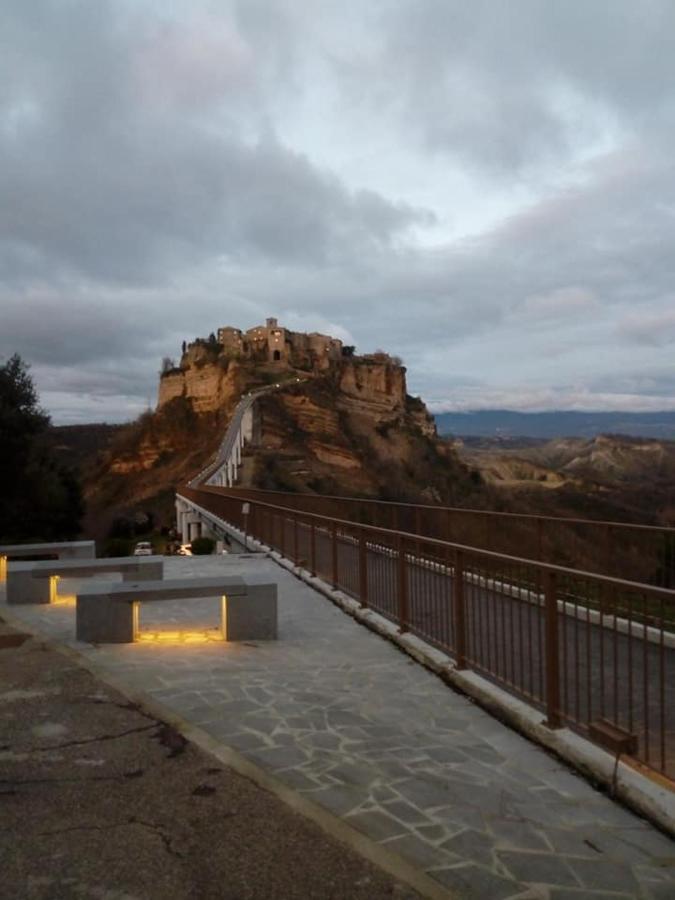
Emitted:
pixel 484 189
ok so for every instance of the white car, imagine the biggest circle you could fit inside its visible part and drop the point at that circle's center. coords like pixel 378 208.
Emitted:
pixel 143 548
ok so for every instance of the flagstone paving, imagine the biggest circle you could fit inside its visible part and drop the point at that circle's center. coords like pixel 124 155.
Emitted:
pixel 346 719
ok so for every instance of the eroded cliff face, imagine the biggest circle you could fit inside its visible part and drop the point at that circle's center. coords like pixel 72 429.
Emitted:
pixel 350 428
pixel 355 432
pixel 208 383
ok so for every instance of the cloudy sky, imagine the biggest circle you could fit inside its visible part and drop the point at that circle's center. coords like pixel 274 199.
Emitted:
pixel 486 189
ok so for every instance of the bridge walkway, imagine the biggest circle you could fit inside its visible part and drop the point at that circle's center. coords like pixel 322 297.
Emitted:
pixel 351 725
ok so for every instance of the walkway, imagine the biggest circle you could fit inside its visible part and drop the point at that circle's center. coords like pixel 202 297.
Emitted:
pixel 347 720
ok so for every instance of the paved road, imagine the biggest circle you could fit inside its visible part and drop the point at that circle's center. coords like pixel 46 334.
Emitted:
pixel 352 724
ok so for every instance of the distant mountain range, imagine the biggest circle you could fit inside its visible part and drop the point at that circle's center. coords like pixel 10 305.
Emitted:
pixel 507 423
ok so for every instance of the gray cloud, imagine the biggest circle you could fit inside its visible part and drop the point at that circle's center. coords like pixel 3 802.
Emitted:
pixel 164 172
pixel 511 86
pixel 109 167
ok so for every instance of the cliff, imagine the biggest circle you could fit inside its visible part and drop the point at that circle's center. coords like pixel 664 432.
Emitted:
pixel 355 431
pixel 339 423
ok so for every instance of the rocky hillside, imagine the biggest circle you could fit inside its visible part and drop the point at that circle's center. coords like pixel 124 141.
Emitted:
pixel 348 427
pixel 355 431
pixel 609 476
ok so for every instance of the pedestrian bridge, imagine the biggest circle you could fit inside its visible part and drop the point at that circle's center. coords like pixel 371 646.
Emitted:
pixel 574 617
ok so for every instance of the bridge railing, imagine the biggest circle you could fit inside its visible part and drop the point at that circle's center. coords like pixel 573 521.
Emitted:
pixel 634 552
pixel 593 652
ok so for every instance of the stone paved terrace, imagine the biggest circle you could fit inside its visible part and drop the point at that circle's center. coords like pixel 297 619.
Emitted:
pixel 343 717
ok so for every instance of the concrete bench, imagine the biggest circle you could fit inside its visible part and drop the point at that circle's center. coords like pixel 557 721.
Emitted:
pixel 108 613
pixel 35 582
pixel 60 550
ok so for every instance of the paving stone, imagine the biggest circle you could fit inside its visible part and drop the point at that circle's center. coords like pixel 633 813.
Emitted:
pixel 445 755
pixel 471 881
pixel 406 812
pixel 654 873
pixel 609 844
pixel 383 793
pixel 425 793
pixel 471 845
pixel 280 757
pixel 298 780
pixel 349 773
pixel 339 718
pixel 376 825
pixel 393 770
pixel 512 833
pixel 324 739
pixel 246 740
pixel 432 833
pixel 263 724
pixel 339 799
pixel 585 894
pixel 419 852
pixel 458 817
pixel 538 868
pixel 651 841
pixel 485 754
pixel 603 875
pixel 659 891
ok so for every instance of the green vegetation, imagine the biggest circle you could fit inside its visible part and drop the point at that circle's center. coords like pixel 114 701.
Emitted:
pixel 118 547
pixel 202 546
pixel 40 499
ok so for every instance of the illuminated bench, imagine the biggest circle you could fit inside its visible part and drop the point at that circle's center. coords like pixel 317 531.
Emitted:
pixel 36 582
pixel 108 613
pixel 61 550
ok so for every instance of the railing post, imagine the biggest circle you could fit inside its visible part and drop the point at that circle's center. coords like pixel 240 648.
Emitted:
pixel 403 611
pixel 282 542
pixel 459 611
pixel 552 651
pixel 363 569
pixel 312 547
pixel 334 554
pixel 295 538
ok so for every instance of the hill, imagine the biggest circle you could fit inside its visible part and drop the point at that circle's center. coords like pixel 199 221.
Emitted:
pixel 337 423
pixel 608 477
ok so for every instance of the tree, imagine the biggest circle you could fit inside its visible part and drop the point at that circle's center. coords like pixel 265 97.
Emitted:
pixel 39 499
pixel 167 365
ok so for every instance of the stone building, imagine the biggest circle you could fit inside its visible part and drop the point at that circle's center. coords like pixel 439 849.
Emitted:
pixel 272 343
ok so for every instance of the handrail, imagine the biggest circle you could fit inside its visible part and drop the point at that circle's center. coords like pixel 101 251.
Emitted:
pixel 593 651
pixel 663 593
pixel 465 509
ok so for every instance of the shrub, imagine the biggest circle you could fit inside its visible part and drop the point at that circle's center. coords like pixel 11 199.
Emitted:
pixel 203 546
pixel 119 547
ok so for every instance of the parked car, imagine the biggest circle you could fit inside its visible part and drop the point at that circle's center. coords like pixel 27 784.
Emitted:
pixel 143 548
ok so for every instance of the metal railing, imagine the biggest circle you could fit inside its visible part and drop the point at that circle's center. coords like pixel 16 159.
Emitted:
pixel 593 652
pixel 643 553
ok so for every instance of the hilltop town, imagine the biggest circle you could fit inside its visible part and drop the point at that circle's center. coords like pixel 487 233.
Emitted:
pixel 214 372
